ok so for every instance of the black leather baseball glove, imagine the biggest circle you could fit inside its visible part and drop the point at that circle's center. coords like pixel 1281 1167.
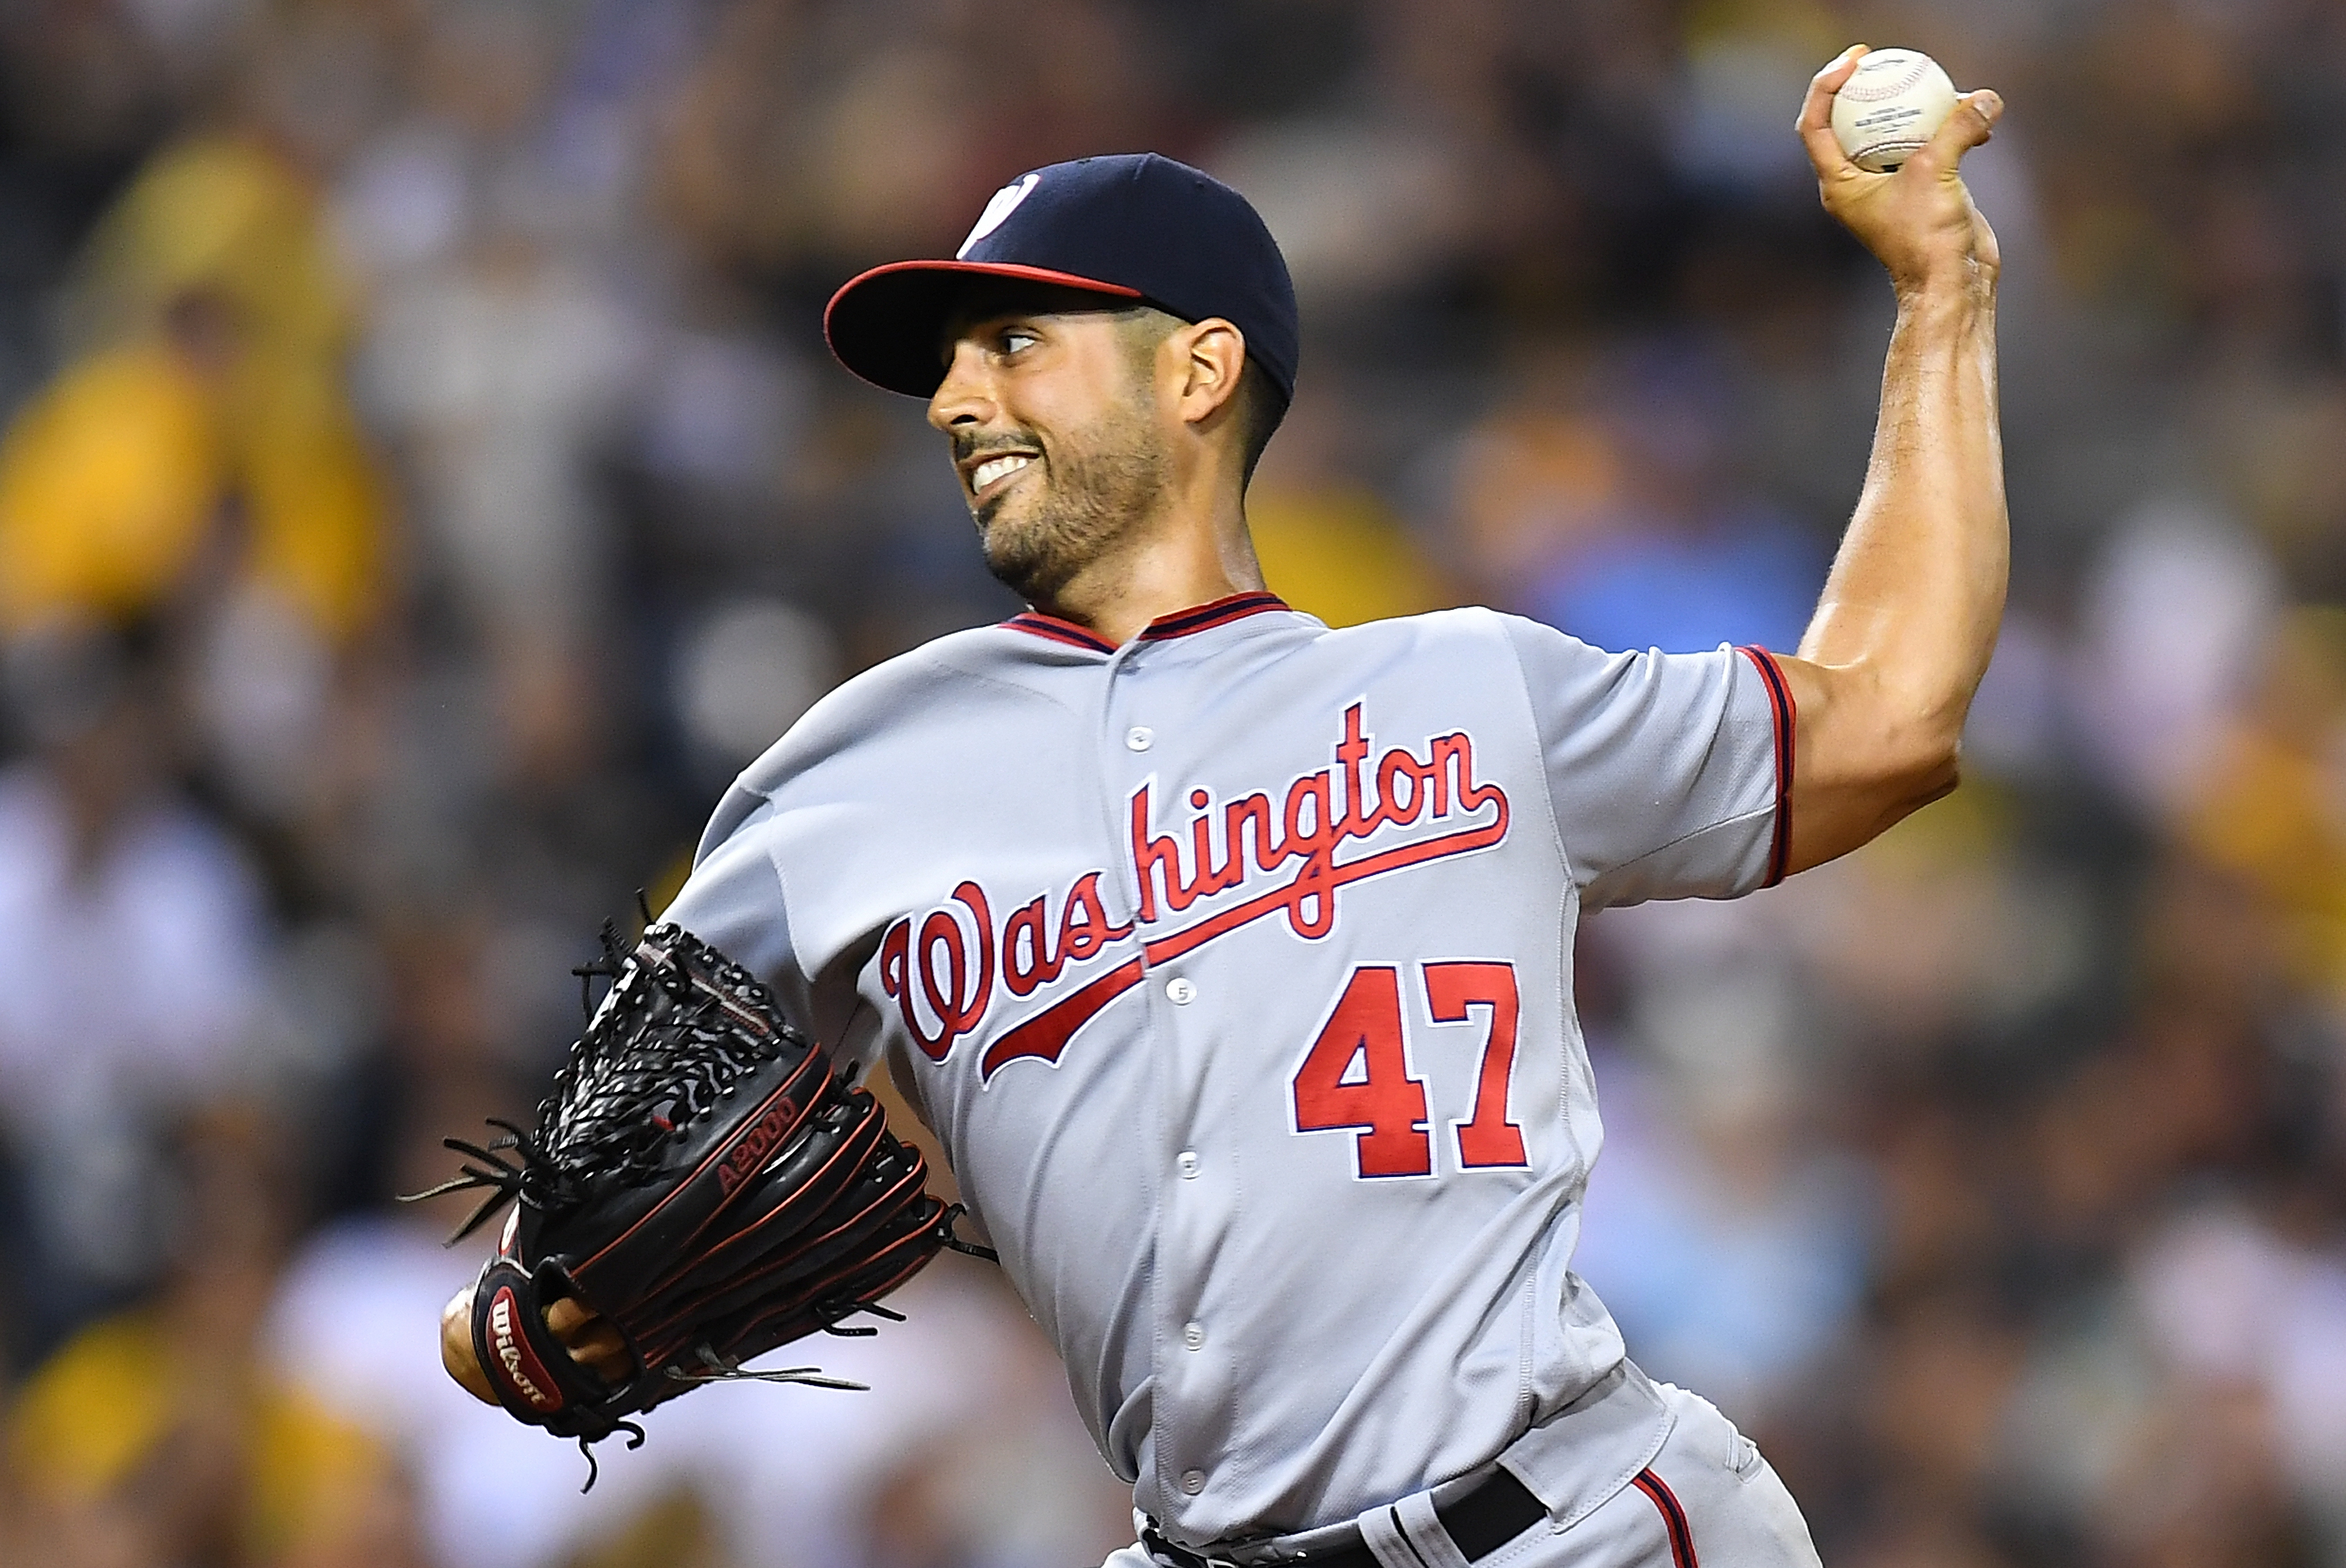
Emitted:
pixel 701 1179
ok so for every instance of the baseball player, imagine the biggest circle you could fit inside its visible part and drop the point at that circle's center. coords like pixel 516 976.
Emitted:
pixel 1228 956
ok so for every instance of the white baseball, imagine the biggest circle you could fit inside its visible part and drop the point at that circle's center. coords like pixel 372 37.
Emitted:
pixel 1890 107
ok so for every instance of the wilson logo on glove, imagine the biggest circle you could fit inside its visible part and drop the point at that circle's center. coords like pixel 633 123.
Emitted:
pixel 515 1357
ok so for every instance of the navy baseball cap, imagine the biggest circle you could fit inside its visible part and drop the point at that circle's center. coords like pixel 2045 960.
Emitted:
pixel 1133 226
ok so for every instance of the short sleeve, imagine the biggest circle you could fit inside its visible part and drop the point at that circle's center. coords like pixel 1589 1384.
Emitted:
pixel 733 901
pixel 1667 771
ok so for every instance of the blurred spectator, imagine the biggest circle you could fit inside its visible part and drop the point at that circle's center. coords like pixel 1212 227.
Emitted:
pixel 1539 478
pixel 1330 545
pixel 2174 618
pixel 745 675
pixel 199 468
pixel 504 374
pixel 1731 1243
pixel 2271 803
pixel 487 1490
pixel 141 947
pixel 1681 563
pixel 206 438
pixel 163 1435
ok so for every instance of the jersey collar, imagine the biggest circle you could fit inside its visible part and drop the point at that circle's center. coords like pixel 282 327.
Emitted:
pixel 1037 623
pixel 1179 624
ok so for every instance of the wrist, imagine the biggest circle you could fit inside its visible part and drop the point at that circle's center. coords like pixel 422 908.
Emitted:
pixel 1958 289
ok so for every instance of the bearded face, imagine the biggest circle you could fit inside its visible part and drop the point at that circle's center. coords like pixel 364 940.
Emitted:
pixel 1061 456
pixel 1064 501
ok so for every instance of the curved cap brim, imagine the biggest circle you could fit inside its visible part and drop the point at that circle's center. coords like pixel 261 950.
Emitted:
pixel 888 325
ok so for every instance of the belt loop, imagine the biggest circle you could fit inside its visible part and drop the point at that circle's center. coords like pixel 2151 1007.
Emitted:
pixel 1421 1527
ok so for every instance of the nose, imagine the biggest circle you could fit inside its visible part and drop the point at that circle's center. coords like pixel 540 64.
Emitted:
pixel 966 396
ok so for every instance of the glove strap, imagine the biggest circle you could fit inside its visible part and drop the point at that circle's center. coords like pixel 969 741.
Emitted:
pixel 532 1373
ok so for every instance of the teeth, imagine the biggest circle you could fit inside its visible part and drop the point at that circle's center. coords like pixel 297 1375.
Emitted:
pixel 994 468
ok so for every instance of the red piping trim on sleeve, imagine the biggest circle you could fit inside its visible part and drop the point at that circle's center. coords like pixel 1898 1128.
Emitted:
pixel 1787 715
pixel 1674 1519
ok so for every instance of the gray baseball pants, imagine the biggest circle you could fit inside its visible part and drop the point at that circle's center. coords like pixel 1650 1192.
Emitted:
pixel 1706 1499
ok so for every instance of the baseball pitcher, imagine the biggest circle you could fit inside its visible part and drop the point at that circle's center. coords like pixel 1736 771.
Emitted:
pixel 1229 955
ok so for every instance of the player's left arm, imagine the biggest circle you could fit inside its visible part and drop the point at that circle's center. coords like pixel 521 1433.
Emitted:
pixel 1908 619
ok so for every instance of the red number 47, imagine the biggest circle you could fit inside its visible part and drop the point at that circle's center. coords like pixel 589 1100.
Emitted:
pixel 1356 1076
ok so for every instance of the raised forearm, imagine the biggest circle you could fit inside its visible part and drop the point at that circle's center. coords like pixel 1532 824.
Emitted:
pixel 1917 590
pixel 1903 632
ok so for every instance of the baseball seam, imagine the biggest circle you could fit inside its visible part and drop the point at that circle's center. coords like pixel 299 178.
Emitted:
pixel 1858 90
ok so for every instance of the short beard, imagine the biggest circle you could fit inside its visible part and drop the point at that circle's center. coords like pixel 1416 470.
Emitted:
pixel 1092 500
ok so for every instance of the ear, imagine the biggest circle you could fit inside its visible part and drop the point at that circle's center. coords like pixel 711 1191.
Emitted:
pixel 1208 356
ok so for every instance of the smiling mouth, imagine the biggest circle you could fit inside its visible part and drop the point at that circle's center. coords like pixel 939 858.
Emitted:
pixel 994 469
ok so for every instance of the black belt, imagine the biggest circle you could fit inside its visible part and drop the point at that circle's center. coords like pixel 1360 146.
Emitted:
pixel 1478 1525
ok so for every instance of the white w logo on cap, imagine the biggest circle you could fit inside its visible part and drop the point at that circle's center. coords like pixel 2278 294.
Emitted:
pixel 998 210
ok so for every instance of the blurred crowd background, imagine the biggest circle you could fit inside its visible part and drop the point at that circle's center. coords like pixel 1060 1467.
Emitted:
pixel 424 485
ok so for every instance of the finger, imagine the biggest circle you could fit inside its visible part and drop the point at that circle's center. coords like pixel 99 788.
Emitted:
pixel 600 1346
pixel 456 1346
pixel 572 1320
pixel 1815 122
pixel 591 1340
pixel 604 1354
pixel 581 1328
pixel 1971 123
pixel 566 1315
pixel 597 1338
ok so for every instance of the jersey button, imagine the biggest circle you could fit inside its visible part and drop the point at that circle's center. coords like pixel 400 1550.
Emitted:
pixel 1139 738
pixel 1194 1336
pixel 1187 1163
pixel 1193 1481
pixel 1181 992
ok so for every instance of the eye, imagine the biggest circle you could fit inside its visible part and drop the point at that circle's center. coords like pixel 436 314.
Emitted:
pixel 1016 339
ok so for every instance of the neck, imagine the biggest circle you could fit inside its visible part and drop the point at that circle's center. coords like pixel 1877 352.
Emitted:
pixel 1193 554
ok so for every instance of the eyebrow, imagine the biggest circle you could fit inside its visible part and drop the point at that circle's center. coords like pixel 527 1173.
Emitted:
pixel 959 327
pixel 956 329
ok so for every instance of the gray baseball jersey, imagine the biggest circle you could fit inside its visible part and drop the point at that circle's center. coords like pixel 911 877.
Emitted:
pixel 1233 968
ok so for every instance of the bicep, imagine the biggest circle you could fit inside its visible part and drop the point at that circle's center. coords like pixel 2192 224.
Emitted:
pixel 1861 760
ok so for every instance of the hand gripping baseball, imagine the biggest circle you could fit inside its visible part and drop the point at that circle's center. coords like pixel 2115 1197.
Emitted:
pixel 1919 221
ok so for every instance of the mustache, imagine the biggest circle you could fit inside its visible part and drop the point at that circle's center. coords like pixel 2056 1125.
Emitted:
pixel 968 445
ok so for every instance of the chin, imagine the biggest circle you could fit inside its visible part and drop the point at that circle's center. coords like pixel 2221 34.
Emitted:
pixel 1014 511
pixel 1007 532
pixel 1024 565
pixel 1032 579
